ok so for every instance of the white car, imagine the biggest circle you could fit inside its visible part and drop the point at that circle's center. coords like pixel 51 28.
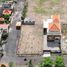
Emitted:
pixel 28 21
pixel 46 54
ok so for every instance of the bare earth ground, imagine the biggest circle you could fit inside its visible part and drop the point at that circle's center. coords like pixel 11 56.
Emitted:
pixel 31 41
pixel 31 35
pixel 64 20
pixel 64 39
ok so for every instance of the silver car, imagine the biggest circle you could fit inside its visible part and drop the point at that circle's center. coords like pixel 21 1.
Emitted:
pixel 28 21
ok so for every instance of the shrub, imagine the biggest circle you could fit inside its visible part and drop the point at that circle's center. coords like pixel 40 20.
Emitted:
pixel 55 1
pixel 2 65
pixel 46 62
pixel 24 11
pixel 11 64
pixel 59 62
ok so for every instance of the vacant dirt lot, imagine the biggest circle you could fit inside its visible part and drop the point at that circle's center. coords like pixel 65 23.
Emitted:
pixel 31 35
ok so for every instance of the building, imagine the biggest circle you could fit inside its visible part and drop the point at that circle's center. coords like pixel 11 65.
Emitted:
pixel 7 12
pixel 52 33
pixel 8 5
pixel 54 29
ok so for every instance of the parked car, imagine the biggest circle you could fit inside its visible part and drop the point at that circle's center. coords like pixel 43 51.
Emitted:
pixel 28 21
pixel 6 6
pixel 5 31
pixel 56 51
pixel 1 51
pixel 46 54
pixel 18 25
pixel 4 35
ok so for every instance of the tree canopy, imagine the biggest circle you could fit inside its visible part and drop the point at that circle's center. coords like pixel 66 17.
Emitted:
pixel 46 62
pixel 59 62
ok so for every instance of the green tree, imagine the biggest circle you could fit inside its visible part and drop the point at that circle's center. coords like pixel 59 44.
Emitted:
pixel 24 11
pixel 30 63
pixel 11 64
pixel 7 21
pixel 2 65
pixel 46 62
pixel 6 16
pixel 1 43
pixel 59 62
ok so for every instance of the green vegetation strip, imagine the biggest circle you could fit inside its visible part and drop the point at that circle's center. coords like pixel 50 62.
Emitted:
pixel 47 62
pixel 55 1
pixel 24 10
pixel 40 7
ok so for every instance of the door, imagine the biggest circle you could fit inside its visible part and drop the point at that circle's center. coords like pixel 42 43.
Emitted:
pixel 45 31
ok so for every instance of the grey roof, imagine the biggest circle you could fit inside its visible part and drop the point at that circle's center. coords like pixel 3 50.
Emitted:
pixel 6 5
pixel 53 33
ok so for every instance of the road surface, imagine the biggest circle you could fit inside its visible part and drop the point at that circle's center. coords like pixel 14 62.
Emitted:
pixel 10 47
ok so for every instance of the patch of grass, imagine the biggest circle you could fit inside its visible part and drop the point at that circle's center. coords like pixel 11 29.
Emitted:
pixel 0 0
pixel 41 2
pixel 55 1
pixel 24 10
pixel 41 10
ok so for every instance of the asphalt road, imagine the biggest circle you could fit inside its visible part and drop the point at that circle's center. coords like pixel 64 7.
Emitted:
pixel 10 47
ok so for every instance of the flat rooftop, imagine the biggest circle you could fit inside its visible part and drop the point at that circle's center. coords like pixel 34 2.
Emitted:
pixel 52 46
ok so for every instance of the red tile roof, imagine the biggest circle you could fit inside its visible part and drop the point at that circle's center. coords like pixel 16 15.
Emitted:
pixel 7 12
pixel 54 27
pixel 1 19
pixel 4 25
pixel 56 18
